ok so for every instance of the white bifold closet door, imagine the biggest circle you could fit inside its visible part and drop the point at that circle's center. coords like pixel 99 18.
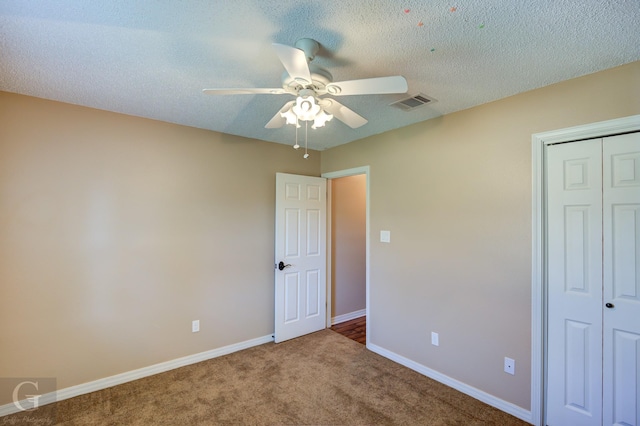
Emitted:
pixel 593 264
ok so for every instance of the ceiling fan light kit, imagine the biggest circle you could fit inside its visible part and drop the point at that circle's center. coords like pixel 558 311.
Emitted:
pixel 306 107
pixel 308 84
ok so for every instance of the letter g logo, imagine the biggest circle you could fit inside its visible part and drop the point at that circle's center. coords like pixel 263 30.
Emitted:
pixel 31 398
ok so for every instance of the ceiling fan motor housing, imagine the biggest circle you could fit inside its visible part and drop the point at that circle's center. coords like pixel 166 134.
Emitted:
pixel 320 77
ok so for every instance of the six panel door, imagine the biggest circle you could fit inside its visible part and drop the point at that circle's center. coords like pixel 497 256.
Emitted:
pixel 300 286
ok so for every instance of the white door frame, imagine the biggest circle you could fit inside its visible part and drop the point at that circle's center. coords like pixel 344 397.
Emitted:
pixel 364 170
pixel 538 267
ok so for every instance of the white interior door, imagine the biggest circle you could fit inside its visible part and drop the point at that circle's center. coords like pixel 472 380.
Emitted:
pixel 300 273
pixel 574 227
pixel 593 225
pixel 621 260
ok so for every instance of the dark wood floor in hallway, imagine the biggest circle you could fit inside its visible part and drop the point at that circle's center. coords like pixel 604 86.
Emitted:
pixel 355 329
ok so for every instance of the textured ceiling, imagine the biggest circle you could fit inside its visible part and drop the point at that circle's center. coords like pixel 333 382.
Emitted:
pixel 152 58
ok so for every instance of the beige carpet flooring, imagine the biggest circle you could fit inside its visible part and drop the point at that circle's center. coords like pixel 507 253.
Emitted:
pixel 320 379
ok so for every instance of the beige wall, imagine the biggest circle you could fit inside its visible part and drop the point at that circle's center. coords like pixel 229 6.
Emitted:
pixel 455 192
pixel 116 232
pixel 348 244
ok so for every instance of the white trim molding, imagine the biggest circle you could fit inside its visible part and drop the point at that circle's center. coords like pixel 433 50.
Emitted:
pixel 488 399
pixel 348 317
pixel 140 373
pixel 538 297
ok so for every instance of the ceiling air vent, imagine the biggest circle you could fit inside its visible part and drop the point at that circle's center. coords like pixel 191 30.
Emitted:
pixel 413 102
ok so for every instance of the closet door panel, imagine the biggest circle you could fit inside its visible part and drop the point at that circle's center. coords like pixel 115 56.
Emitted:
pixel 574 238
pixel 621 274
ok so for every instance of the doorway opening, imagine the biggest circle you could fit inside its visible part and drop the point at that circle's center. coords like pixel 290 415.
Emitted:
pixel 348 253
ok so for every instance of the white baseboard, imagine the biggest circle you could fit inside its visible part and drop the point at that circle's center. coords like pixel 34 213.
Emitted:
pixel 348 317
pixel 129 376
pixel 488 399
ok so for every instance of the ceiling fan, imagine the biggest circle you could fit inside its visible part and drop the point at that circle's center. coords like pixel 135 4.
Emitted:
pixel 308 83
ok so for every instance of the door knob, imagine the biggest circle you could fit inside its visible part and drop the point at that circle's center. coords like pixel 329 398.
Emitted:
pixel 609 305
pixel 281 265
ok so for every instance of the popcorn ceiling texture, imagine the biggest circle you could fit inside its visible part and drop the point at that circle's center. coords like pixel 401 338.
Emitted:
pixel 152 58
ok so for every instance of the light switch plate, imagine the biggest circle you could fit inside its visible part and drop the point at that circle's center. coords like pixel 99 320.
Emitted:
pixel 435 341
pixel 385 236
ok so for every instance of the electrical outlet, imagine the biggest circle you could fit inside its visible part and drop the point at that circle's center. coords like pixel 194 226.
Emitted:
pixel 195 326
pixel 509 366
pixel 434 339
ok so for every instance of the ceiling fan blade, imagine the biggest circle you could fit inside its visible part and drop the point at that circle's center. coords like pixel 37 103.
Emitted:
pixel 295 62
pixel 278 121
pixel 369 86
pixel 248 91
pixel 342 113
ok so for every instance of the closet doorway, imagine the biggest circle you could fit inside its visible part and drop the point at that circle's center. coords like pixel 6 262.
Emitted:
pixel 348 231
pixel 541 355
pixel 593 248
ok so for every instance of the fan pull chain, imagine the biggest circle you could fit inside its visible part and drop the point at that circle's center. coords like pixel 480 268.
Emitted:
pixel 296 146
pixel 306 127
